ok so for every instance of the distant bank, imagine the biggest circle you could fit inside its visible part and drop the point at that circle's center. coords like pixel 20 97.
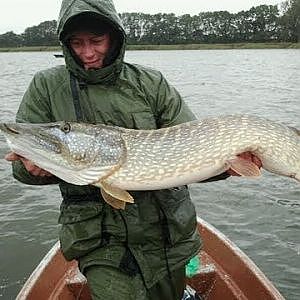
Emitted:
pixel 176 47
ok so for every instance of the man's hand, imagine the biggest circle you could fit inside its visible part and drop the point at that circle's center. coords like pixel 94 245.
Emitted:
pixel 29 166
pixel 247 156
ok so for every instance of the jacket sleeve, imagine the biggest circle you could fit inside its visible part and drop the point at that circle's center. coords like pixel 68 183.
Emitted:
pixel 172 110
pixel 34 108
pixel 170 107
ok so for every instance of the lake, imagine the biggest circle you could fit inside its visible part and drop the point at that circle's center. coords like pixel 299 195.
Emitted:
pixel 261 216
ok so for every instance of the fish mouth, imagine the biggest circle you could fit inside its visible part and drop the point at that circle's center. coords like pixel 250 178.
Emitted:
pixel 8 129
pixel 296 176
pixel 31 134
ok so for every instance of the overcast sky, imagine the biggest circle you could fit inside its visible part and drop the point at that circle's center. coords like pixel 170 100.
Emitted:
pixel 17 15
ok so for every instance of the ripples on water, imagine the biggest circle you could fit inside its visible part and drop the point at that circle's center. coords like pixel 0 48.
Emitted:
pixel 260 216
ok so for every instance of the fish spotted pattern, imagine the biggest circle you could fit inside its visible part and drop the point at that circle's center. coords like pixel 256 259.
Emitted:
pixel 118 159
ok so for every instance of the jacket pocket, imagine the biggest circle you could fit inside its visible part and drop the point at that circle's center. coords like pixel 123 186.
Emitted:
pixel 81 228
pixel 179 211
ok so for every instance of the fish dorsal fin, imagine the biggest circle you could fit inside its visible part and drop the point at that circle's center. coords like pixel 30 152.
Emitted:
pixel 244 167
pixel 113 195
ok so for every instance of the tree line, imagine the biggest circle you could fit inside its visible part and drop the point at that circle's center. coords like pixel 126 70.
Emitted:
pixel 264 23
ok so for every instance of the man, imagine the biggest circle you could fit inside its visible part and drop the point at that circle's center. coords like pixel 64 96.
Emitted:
pixel 139 253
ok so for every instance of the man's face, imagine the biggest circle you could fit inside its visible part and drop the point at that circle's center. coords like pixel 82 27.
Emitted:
pixel 90 48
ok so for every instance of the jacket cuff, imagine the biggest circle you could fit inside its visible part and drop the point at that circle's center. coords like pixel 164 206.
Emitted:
pixel 222 176
pixel 22 175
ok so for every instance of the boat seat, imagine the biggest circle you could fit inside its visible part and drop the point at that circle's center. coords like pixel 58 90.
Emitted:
pixel 204 280
pixel 77 285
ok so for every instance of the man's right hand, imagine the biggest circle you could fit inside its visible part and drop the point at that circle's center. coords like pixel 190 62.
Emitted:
pixel 29 165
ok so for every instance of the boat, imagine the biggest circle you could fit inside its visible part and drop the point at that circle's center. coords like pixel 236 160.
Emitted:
pixel 226 274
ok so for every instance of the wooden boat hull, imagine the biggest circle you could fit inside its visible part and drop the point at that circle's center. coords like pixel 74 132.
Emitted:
pixel 226 274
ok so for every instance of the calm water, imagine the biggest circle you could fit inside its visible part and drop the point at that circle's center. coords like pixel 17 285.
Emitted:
pixel 261 216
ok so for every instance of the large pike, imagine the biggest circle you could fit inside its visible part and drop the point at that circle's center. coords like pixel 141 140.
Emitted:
pixel 118 159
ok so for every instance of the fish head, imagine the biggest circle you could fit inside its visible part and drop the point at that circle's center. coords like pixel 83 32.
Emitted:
pixel 63 141
pixel 63 147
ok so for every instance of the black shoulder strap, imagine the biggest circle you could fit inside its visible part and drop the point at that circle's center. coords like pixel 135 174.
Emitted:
pixel 76 100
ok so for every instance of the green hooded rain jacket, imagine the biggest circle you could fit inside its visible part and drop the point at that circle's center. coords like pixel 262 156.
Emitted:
pixel 125 95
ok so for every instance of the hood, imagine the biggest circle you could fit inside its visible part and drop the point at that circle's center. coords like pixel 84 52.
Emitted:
pixel 105 10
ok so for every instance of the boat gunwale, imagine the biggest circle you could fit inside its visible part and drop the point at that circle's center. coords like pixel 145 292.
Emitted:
pixel 249 265
pixel 38 271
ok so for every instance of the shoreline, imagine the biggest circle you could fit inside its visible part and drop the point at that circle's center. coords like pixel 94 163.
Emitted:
pixel 171 47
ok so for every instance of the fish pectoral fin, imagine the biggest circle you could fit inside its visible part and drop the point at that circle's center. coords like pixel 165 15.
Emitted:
pixel 114 195
pixel 244 167
pixel 115 203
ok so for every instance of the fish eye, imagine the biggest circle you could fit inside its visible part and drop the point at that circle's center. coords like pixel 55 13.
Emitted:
pixel 66 127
